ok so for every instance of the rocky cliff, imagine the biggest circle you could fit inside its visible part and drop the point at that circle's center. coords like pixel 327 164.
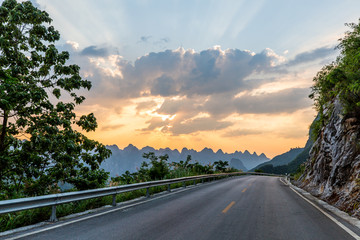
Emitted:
pixel 333 169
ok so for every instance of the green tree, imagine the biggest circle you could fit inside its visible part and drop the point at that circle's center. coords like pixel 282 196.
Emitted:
pixel 221 165
pixel 158 166
pixel 38 145
pixel 340 79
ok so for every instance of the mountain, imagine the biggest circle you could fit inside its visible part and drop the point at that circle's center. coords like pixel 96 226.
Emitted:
pixel 294 165
pixel 282 159
pixel 290 161
pixel 130 158
pixel 237 164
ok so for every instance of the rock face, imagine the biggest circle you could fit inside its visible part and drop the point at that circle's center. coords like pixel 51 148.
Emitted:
pixel 333 169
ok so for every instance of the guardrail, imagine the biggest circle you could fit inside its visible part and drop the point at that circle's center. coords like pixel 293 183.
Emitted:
pixel 14 205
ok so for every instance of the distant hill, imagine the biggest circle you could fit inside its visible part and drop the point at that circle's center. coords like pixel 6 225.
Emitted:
pixel 282 159
pixel 293 166
pixel 130 158
pixel 275 165
pixel 238 164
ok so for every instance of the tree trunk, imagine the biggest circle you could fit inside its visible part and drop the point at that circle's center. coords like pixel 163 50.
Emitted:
pixel 3 131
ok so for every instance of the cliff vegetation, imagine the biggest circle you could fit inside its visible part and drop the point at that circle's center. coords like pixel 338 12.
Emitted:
pixel 333 168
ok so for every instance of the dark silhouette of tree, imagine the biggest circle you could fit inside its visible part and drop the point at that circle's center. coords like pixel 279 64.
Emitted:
pixel 38 145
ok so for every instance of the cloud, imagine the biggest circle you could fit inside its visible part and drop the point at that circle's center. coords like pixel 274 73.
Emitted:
pixel 319 53
pixel 111 127
pixel 173 72
pixel 156 42
pixel 165 40
pixel 94 51
pixel 146 105
pixel 156 122
pixel 285 101
pixel 144 39
pixel 186 127
pixel 164 86
pixel 242 132
pixel 199 124
pixel 195 91
pixel 188 73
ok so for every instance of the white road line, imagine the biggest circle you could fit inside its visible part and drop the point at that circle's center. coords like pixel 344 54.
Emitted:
pixel 95 215
pixel 354 235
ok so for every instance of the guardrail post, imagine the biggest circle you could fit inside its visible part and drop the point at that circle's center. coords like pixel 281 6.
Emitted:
pixel 147 192
pixel 53 214
pixel 202 181
pixel 169 189
pixel 114 200
pixel 194 182
pixel 184 185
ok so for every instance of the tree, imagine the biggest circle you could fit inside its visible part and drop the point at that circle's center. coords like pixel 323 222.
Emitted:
pixel 340 79
pixel 158 167
pixel 221 165
pixel 38 145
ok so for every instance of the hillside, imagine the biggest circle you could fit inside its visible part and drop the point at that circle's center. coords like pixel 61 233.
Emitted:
pixel 130 158
pixel 282 159
pixel 238 164
pixel 295 158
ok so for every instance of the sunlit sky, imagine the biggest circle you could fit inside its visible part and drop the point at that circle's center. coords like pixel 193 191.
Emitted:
pixel 234 75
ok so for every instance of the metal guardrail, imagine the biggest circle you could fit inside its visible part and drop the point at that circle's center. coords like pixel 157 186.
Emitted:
pixel 14 205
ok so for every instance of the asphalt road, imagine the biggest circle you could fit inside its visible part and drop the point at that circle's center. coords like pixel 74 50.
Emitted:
pixel 248 207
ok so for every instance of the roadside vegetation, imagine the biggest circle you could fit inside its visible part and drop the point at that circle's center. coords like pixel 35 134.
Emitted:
pixel 153 168
pixel 40 145
pixel 340 79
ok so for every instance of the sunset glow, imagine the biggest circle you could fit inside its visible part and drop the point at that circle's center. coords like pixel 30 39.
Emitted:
pixel 230 75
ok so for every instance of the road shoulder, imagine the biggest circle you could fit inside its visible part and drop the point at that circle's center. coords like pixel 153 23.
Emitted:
pixel 350 222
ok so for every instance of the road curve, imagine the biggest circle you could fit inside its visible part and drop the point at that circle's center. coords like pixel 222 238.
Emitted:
pixel 247 207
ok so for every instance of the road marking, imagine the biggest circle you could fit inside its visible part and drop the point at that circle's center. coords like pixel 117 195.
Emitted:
pixel 244 190
pixel 228 207
pixel 346 229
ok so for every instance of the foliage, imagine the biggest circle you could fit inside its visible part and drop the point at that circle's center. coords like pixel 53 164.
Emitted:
pixel 158 167
pixel 299 171
pixel 221 165
pixel 87 179
pixel 340 79
pixel 186 168
pixel 38 145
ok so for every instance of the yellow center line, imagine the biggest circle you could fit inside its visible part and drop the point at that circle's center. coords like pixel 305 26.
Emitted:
pixel 228 207
pixel 244 190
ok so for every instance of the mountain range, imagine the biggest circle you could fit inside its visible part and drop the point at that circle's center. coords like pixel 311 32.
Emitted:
pixel 130 158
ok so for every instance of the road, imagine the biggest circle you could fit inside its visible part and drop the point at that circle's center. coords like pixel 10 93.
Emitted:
pixel 247 207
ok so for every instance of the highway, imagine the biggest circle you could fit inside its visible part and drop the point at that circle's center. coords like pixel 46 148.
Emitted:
pixel 247 207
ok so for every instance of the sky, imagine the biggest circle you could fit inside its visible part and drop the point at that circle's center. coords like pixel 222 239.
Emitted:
pixel 230 75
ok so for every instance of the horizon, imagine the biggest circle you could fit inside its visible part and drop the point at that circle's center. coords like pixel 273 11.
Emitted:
pixel 199 150
pixel 230 75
